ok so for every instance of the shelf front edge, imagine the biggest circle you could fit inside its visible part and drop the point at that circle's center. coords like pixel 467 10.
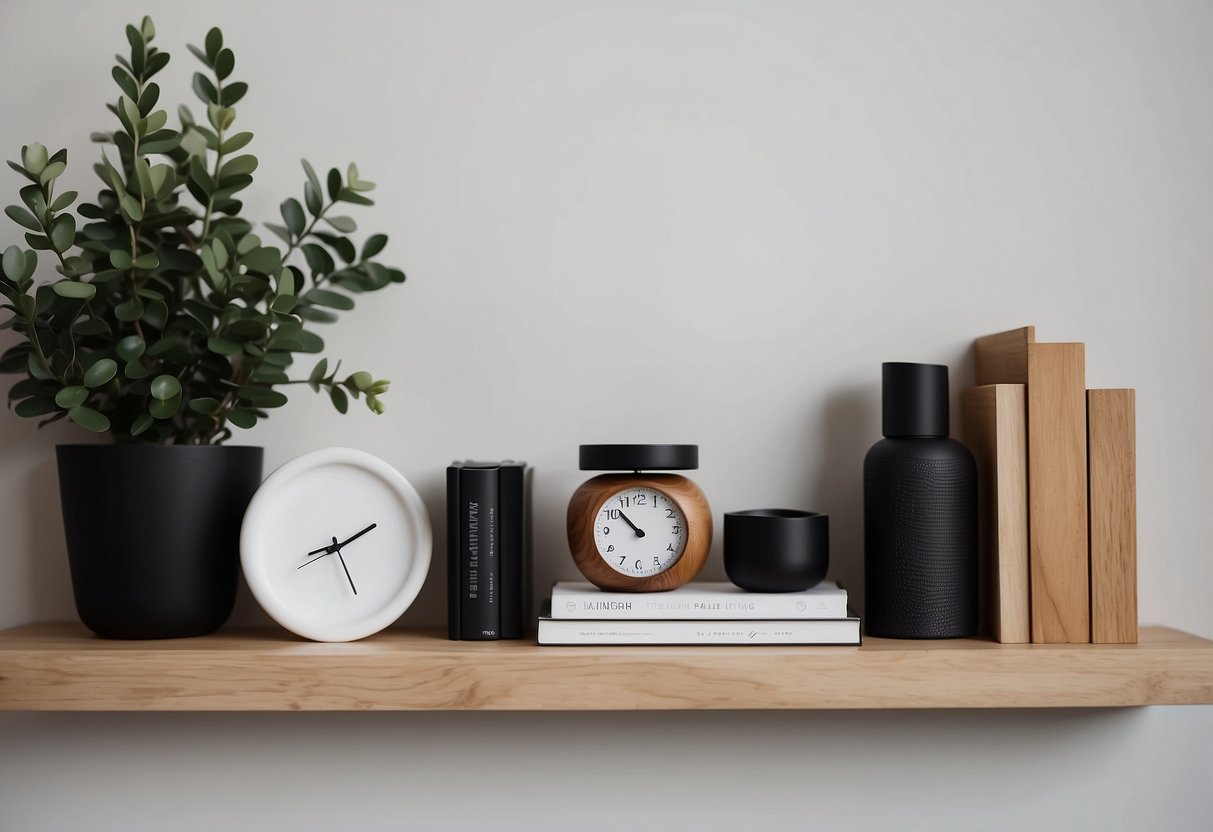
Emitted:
pixel 41 669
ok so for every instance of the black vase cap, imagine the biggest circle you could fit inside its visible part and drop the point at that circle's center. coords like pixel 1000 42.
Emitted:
pixel 639 457
pixel 914 400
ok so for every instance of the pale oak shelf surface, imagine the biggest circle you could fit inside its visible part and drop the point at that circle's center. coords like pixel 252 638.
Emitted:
pixel 61 667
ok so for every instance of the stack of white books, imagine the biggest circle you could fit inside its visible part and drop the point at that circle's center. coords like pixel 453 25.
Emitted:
pixel 697 613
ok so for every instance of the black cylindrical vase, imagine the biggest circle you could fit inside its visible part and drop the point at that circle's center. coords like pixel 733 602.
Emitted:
pixel 153 534
pixel 920 514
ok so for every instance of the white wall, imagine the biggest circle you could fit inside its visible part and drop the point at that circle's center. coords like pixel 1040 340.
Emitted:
pixel 678 222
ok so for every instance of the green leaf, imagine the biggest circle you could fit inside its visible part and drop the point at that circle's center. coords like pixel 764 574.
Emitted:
pixel 232 93
pixel 13 263
pixel 198 53
pixel 362 380
pixel 283 304
pixel 31 265
pixel 101 372
pixel 146 262
pixel 292 214
pixel 204 89
pixel 262 397
pixel 34 158
pixel 130 348
pixel 89 419
pixel 318 374
pixel 311 196
pixel 155 63
pixel 318 260
pixel 63 232
pixel 286 282
pixel 329 298
pixel 280 232
pixel 130 207
pixel 129 310
pixel 353 197
pixel 135 370
pixel 164 408
pixel 263 260
pixel 64 200
pixel 164 387
pixel 311 175
pixel 373 245
pixel 225 62
pixel 235 142
pixel 340 400
pixel 22 217
pixel 345 225
pixel 214 42
pixel 142 422
pixel 242 418
pixel 238 165
pixel 69 397
pixel 74 289
pixel 147 104
pixel 334 183
pixel 204 405
pixel 125 82
pixel 222 346
pixel 147 29
pixel 120 259
pixel 39 406
pixel 51 172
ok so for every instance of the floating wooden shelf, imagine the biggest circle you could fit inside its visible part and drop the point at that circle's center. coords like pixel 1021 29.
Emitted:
pixel 61 667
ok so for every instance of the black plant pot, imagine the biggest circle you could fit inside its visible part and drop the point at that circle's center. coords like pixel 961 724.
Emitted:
pixel 153 534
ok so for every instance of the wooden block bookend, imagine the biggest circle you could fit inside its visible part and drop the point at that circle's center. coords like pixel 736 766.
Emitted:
pixel 1055 375
pixel 994 421
pixel 1112 452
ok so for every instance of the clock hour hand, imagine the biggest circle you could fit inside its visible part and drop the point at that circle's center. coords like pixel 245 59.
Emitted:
pixel 639 532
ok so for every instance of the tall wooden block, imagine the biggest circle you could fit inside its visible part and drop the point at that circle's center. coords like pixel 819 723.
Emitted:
pixel 1055 375
pixel 994 423
pixel 1112 461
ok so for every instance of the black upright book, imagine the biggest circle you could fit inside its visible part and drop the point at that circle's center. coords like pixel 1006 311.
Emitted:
pixel 474 550
pixel 488 549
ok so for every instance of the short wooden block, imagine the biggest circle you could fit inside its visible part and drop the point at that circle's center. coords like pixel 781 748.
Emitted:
pixel 1112 461
pixel 994 421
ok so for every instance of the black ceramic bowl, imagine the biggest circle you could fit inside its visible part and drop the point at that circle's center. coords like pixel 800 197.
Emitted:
pixel 776 549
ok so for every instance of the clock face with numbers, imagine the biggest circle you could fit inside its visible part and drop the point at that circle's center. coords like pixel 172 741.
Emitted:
pixel 640 531
pixel 335 545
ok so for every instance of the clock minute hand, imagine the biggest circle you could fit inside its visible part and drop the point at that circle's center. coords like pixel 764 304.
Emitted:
pixel 355 537
pixel 639 532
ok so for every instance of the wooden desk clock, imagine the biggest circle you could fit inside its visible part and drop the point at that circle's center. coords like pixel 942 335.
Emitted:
pixel 639 531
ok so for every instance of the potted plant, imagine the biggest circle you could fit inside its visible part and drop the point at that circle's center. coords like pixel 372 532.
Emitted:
pixel 171 325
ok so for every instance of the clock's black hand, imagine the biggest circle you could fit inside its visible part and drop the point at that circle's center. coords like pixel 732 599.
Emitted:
pixel 639 532
pixel 346 568
pixel 355 537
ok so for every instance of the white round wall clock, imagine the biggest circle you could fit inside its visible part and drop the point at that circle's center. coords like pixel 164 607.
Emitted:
pixel 335 545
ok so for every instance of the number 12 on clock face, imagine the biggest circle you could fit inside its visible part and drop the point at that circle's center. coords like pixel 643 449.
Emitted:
pixel 640 531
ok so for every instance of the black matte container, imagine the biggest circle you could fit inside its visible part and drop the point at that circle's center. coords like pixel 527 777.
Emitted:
pixel 920 514
pixel 775 549
pixel 153 534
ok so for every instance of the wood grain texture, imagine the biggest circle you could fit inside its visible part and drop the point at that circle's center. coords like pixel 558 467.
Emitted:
pixel 583 514
pixel 1057 493
pixel 994 423
pixel 1002 358
pixel 61 667
pixel 1112 465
